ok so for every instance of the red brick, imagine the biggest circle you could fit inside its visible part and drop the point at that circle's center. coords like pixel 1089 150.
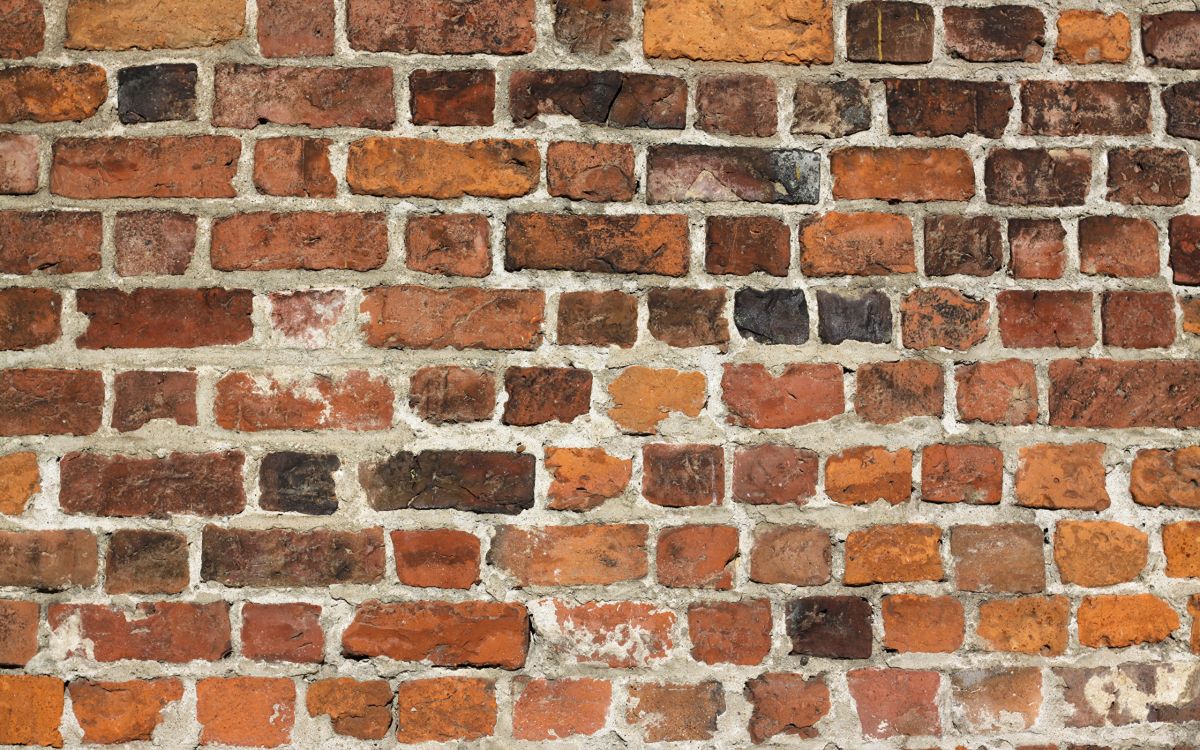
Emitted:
pixel 152 24
pixel 31 707
pixel 915 623
pixel 597 319
pixel 537 395
pixel 51 94
pixel 116 485
pixel 698 557
pixel 452 97
pixel 442 27
pixel 295 28
pixel 459 318
pixel 250 95
pixel 439 558
pixel 742 245
pixel 1069 108
pixel 48 560
pixel 442 709
pixel 52 242
pixel 895 702
pixel 18 632
pixel 428 168
pixel 269 241
pixel 1037 248
pixel 1000 558
pixel 736 105
pixel 199 166
pixel 940 316
pixel 305 319
pixel 118 712
pixel 996 33
pixel 1062 477
pixel 282 632
pixel 173 632
pixel 555 709
pixel 787 704
pixel 24 29
pixel 675 712
pixel 683 475
pixel 1107 393
pixel 353 401
pixel 287 558
pixel 449 634
pixel 800 394
pixel 860 244
pixel 686 173
pixel 1118 246
pixel 154 242
pixel 890 392
pixel 730 632
pixel 452 394
pixel 1003 392
pixel 146 561
pixel 449 244
pixel 50 402
pixel 972 474
pixel 255 711
pixel 361 709
pixel 774 475
pixel 133 320
pixel 294 166
pixel 1138 320
pixel 1030 319
pixel 893 554
pixel 618 635
pixel 902 174
pixel 1185 249
pixel 1038 177
pixel 797 555
pixel 594 172
pixel 591 554
pixel 656 244
pixel 19 163
pixel 29 317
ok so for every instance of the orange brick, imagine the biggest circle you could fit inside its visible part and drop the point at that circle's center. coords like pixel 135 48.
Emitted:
pixel 255 711
pixel 553 709
pixel 1125 620
pixel 1062 477
pixel 924 624
pixel 444 709
pixel 1181 545
pixel 893 554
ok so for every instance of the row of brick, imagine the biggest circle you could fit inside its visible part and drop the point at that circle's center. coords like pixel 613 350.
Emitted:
pixel 888 703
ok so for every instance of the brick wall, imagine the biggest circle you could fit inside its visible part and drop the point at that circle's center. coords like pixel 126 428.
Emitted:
pixel 790 372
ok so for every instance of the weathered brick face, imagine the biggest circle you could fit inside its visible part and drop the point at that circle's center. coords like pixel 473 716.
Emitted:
pixel 600 373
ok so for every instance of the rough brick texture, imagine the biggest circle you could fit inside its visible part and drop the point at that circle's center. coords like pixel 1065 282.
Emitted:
pixel 600 374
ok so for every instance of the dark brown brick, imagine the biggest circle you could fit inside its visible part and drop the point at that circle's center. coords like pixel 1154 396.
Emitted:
pixel 891 32
pixel 29 317
pixel 742 245
pixel 288 558
pixel 48 560
pixel 452 97
pixel 52 242
pixel 940 106
pixel 854 317
pixel 133 320
pixel 967 245
pixel 1169 39
pixel 889 392
pixel 1037 177
pixel 1182 104
pixel 143 561
pixel 771 316
pixel 295 482
pixel 679 173
pixel 203 484
pixel 592 26
pixel 597 319
pixel 736 104
pixel 683 475
pixel 476 481
pixel 835 627
pixel 1185 249
pixel 774 475
pixel 684 317
pixel 155 93
pixel 831 108
pixel 1121 394
pixel 452 394
pixel 143 396
pixel 629 100
pixel 442 27
pixel 997 33
pixel 36 401
pixel 1084 108
pixel 599 244
pixel 1148 176
pixel 537 395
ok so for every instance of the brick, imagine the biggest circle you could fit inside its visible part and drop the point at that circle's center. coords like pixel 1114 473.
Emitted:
pixel 1099 553
pixel 537 395
pixel 835 627
pixel 1191 314
pixel 697 557
pixel 306 319
pixel 172 632
pixel 1185 249
pixel 1166 478
pixel 449 244
pixel 597 554
pixel 469 480
pixel 29 318
pixel 145 396
pixel 893 554
pixel 294 482
pixel 354 401
pixel 149 24
pixel 682 173
pixel 436 558
pixel 800 394
pixel 831 109
pixel 1138 320
pixel 584 478
pixel 895 702
pixel 1128 694
pixel 1050 318
pixel 31 707
pixel 52 242
pixel 1062 477
pixel 452 97
pixel 1000 558
pixel 446 634
pixel 901 174
pixel 442 27
pixel 48 560
pixel 730 632
pixel 448 393
pixel 1087 37
pixel 683 475
pixel 797 555
pixel 889 32
pixel 1105 393
pixel 593 27
pixel 655 244
pixel 774 475
pixel 50 402
pixel 1025 625
pixel 19 164
pixel 863 317
pixel 156 93
pixel 153 243
pixel 967 245
pixel 295 167
pixel 736 104
pixel 686 317
pixel 618 635
pixel 1118 246
pixel 605 97
pixel 643 397
pixel 295 28
pixel 20 480
pixel 771 316
pixel 289 558
pixel 890 392
pixel 742 245
pixel 24 29
pixel 1181 546
pixel 131 320
pixel 1003 392
pixel 1037 248
pixel 972 474
pixel 264 715
pixel 1118 621
pixel 282 633
pixel 1168 39
pixel 554 709
pixel 1183 113
pixel 675 712
pixel 442 709
pixel 173 166
pixel 269 241
pixel 996 700
pixel 787 704
pixel 741 31
pixel 119 712
pixel 63 94
pixel 915 623
pixel 1037 177
pixel 1148 176
pixel 857 244
pixel 595 172
pixel 940 106
pixel 858 476
pixel 18 632
pixel 943 317
pixel 427 168
pixel 145 561
pixel 998 33
pixel 360 709
pixel 1067 108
